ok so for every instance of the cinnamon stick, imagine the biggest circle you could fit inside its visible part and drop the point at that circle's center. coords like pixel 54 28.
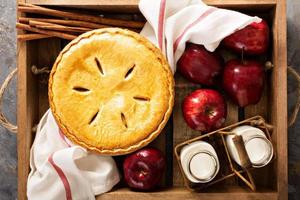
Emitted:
pixel 31 36
pixel 46 32
pixel 26 4
pixel 50 26
pixel 62 29
pixel 65 22
pixel 78 16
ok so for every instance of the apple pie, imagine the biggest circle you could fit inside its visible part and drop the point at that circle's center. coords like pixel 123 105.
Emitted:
pixel 111 91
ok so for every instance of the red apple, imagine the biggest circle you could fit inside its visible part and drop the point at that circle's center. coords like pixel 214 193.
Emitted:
pixel 199 65
pixel 254 39
pixel 204 110
pixel 144 168
pixel 244 81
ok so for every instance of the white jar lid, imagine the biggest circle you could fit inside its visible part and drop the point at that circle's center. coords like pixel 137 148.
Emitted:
pixel 199 162
pixel 259 150
pixel 203 166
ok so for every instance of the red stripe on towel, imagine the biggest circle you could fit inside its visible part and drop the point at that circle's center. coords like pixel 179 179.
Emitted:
pixel 199 19
pixel 62 177
pixel 161 19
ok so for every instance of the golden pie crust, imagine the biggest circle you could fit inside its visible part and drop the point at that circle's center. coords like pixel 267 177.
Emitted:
pixel 111 91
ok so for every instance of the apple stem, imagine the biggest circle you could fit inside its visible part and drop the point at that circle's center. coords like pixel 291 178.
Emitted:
pixel 269 65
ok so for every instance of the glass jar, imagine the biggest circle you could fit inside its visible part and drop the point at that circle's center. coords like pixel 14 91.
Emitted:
pixel 257 145
pixel 199 162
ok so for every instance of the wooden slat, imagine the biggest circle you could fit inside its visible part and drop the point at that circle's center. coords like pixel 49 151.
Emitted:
pixel 105 5
pixel 26 110
pixel 262 107
pixel 23 142
pixel 86 2
pixel 279 98
pixel 135 2
pixel 132 5
pixel 265 176
pixel 181 131
pixel 48 51
pixel 182 193
pixel 232 113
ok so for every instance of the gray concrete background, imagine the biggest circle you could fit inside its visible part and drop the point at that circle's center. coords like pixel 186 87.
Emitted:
pixel 8 144
pixel 8 152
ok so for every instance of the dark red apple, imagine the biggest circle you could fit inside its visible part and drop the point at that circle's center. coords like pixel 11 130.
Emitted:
pixel 204 110
pixel 199 65
pixel 244 81
pixel 254 39
pixel 144 168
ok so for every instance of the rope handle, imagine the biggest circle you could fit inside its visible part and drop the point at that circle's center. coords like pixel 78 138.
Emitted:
pixel 293 117
pixel 3 120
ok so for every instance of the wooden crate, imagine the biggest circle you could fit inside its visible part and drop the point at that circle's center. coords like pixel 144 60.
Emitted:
pixel 271 181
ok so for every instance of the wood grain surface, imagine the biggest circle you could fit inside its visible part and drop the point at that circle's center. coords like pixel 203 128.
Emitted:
pixel 33 101
pixel 26 111
pixel 48 51
pixel 181 131
pixel 179 193
pixel 134 3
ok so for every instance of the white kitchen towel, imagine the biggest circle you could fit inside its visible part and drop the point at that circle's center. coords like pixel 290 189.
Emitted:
pixel 61 170
pixel 172 23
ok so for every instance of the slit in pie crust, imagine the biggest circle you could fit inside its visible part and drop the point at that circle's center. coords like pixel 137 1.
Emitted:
pixel 111 91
